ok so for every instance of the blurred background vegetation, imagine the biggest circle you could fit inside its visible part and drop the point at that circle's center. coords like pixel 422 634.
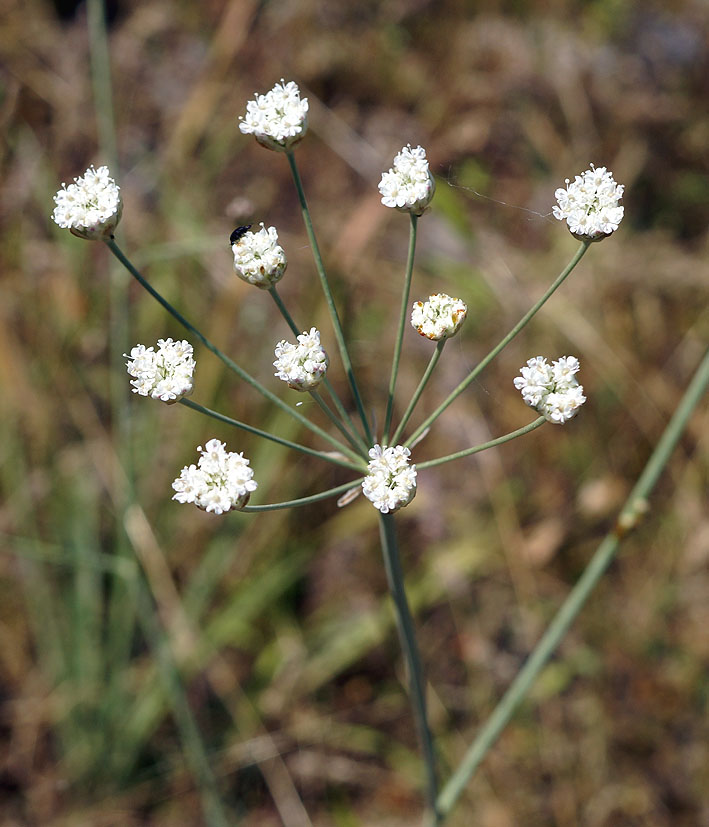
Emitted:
pixel 145 646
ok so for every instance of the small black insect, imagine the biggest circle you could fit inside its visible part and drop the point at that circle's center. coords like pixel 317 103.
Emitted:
pixel 238 233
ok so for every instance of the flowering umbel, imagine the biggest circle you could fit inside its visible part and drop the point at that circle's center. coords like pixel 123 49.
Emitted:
pixel 258 257
pixel 552 389
pixel 279 119
pixel 409 185
pixel 302 366
pixel 589 205
pixel 165 374
pixel 438 318
pixel 221 480
pixel 91 207
pixel 390 483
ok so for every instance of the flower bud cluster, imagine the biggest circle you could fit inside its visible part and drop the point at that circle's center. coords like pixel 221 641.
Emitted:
pixel 552 389
pixel 91 207
pixel 221 480
pixel 279 119
pixel 258 257
pixel 589 205
pixel 165 374
pixel 409 185
pixel 302 366
pixel 438 318
pixel 391 481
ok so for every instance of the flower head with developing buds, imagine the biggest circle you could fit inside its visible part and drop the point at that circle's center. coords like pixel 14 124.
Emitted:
pixel 552 389
pixel 438 318
pixel 91 207
pixel 165 374
pixel 391 481
pixel 302 366
pixel 589 205
pixel 258 257
pixel 409 185
pixel 221 480
pixel 279 119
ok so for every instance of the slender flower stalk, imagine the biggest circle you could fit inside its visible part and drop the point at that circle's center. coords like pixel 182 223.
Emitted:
pixel 407 637
pixel 521 324
pixel 402 323
pixel 240 372
pixel 476 449
pixel 334 458
pixel 632 512
pixel 313 498
pixel 336 324
pixel 419 390
pixel 344 423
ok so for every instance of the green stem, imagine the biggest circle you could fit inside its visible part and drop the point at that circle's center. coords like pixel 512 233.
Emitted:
pixel 431 463
pixel 188 403
pixel 402 322
pixel 508 338
pixel 419 390
pixel 635 507
pixel 336 324
pixel 194 750
pixel 352 436
pixel 240 372
pixel 313 498
pixel 407 636
pixel 121 611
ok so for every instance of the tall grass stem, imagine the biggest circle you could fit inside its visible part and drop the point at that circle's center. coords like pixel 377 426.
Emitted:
pixel 634 508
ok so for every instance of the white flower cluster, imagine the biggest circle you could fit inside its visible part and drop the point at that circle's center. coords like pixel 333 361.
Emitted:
pixel 279 119
pixel 409 185
pixel 438 318
pixel 221 480
pixel 91 207
pixel 165 374
pixel 258 257
pixel 589 205
pixel 302 366
pixel 552 389
pixel 390 482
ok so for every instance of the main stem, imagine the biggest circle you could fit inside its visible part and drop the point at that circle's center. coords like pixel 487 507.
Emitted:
pixel 502 344
pixel 336 324
pixel 400 332
pixel 407 636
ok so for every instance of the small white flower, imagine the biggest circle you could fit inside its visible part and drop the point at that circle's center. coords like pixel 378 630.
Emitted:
pixel 589 205
pixel 302 366
pixel 438 318
pixel 165 374
pixel 409 185
pixel 279 119
pixel 91 207
pixel 391 481
pixel 258 257
pixel 221 480
pixel 552 389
